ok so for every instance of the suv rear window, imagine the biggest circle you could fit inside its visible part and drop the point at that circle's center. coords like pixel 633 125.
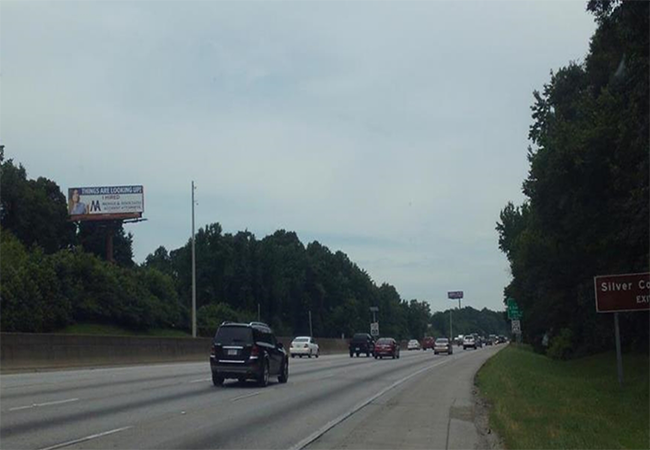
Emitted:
pixel 360 337
pixel 234 336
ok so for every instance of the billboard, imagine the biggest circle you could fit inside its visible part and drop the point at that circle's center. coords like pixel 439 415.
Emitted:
pixel 454 295
pixel 105 202
pixel 628 292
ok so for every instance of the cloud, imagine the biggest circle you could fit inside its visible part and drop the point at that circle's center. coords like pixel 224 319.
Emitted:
pixel 393 131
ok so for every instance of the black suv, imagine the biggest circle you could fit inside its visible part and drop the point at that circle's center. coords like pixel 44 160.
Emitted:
pixel 247 351
pixel 362 343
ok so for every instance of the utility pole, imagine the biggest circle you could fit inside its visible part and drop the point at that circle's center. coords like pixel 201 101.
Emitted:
pixel 311 333
pixel 193 269
pixel 451 334
pixel 258 313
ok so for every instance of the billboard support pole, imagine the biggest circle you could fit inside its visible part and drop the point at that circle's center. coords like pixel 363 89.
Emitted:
pixel 109 243
pixel 619 358
pixel 193 270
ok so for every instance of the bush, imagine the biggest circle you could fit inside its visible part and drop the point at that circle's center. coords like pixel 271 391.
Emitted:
pixel 209 317
pixel 42 293
pixel 561 345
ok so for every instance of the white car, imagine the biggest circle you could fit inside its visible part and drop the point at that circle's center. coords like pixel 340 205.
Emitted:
pixel 304 345
pixel 468 341
pixel 413 345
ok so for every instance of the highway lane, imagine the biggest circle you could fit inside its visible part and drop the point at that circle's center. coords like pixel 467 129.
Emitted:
pixel 176 406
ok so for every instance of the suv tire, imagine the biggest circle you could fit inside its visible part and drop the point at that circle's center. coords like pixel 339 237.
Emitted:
pixel 264 375
pixel 284 373
pixel 217 380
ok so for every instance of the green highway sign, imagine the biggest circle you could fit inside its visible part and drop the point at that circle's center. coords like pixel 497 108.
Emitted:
pixel 513 310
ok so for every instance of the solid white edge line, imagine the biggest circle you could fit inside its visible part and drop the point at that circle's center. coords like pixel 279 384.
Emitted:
pixel 87 438
pixel 38 405
pixel 332 423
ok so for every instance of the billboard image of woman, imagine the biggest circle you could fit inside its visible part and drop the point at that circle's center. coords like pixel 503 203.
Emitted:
pixel 75 205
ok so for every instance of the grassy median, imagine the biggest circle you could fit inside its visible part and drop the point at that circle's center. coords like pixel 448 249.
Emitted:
pixel 540 403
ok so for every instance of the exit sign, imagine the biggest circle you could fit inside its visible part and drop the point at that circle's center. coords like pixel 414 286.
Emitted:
pixel 628 292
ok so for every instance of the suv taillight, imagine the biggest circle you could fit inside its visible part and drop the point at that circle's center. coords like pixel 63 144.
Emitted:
pixel 255 351
pixel 212 351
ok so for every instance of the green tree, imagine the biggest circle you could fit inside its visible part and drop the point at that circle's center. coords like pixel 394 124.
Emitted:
pixel 587 205
pixel 92 237
pixel 35 211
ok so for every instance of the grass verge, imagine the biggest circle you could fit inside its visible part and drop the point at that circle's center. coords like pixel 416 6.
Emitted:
pixel 112 330
pixel 540 403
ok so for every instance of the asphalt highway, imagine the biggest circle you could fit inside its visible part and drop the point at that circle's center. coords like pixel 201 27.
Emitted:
pixel 175 406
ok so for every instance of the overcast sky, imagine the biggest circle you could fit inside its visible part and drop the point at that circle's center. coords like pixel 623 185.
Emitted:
pixel 393 131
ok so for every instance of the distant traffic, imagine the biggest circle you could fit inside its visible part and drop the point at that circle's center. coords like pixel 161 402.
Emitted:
pixel 251 351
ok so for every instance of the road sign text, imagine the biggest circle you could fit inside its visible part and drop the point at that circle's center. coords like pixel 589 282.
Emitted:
pixel 629 292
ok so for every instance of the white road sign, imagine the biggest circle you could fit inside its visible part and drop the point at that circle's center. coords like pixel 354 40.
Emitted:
pixel 516 327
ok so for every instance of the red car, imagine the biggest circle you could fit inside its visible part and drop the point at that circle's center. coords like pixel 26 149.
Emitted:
pixel 428 342
pixel 386 347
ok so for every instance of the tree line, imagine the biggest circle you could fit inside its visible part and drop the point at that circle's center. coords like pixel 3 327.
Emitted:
pixel 586 209
pixel 54 274
pixel 285 280
pixel 468 320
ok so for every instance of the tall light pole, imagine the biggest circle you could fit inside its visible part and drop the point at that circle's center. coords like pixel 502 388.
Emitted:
pixel 193 269
pixel 311 333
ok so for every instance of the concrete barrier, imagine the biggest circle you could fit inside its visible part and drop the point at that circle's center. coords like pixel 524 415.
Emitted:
pixel 31 351
pixel 48 351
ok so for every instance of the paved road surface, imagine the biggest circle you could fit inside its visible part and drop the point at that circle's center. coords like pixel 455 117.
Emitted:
pixel 175 406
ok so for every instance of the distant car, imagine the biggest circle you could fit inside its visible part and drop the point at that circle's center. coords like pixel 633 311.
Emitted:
pixel 492 340
pixel 428 342
pixel 469 342
pixel 443 345
pixel 304 346
pixel 247 351
pixel 361 343
pixel 413 345
pixel 386 347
